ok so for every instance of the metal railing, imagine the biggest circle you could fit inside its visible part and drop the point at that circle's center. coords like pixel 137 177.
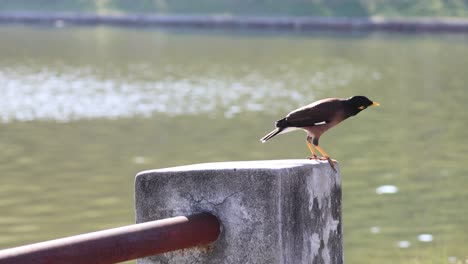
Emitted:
pixel 120 244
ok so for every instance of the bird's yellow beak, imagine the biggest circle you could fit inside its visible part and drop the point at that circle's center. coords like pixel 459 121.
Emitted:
pixel 375 104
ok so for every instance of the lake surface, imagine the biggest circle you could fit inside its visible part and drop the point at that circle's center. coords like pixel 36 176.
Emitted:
pixel 83 109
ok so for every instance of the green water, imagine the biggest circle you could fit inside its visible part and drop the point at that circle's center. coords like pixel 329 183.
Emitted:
pixel 82 110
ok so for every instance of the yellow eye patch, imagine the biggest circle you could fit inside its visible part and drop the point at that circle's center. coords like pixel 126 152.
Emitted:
pixel 361 107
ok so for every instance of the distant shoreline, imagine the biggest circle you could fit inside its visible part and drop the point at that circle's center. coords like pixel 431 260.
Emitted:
pixel 237 22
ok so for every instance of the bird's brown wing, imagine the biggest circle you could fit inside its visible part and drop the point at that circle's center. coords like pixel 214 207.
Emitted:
pixel 320 112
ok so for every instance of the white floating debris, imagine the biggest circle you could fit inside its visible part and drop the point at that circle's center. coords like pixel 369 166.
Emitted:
pixel 404 244
pixel 375 230
pixel 425 238
pixel 139 160
pixel 384 189
pixel 452 259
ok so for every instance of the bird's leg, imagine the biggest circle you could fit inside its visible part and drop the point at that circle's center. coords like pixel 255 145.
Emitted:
pixel 324 154
pixel 326 157
pixel 309 144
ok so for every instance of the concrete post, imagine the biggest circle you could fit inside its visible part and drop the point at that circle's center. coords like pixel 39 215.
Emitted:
pixel 283 211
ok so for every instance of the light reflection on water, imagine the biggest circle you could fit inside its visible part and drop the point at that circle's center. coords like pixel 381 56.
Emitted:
pixel 77 93
pixel 70 96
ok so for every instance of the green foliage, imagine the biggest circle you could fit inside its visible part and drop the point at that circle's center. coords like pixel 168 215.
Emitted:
pixel 417 7
pixel 342 8
pixel 47 5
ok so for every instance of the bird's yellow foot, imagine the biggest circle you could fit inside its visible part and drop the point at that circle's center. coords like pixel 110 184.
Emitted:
pixel 314 157
pixel 327 159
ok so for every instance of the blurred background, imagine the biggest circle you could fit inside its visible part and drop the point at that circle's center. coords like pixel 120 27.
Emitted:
pixel 349 8
pixel 83 109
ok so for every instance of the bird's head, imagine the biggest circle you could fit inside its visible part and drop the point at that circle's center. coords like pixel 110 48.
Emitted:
pixel 358 103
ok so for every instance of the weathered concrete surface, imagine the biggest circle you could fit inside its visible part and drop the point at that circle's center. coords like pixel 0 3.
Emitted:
pixel 284 211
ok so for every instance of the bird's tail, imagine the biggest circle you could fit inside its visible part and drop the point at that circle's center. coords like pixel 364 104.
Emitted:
pixel 271 134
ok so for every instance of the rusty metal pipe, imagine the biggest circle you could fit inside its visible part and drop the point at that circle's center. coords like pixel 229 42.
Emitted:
pixel 120 244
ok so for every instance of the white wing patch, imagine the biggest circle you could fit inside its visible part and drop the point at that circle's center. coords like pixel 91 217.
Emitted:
pixel 320 123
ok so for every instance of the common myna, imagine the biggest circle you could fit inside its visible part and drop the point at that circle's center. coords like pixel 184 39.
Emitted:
pixel 318 117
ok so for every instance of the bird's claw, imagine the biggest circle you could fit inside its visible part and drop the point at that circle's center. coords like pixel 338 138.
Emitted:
pixel 331 161
pixel 328 159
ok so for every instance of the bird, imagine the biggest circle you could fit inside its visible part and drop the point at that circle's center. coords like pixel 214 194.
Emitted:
pixel 318 117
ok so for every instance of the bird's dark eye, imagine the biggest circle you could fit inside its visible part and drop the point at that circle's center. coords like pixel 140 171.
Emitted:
pixel 361 107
